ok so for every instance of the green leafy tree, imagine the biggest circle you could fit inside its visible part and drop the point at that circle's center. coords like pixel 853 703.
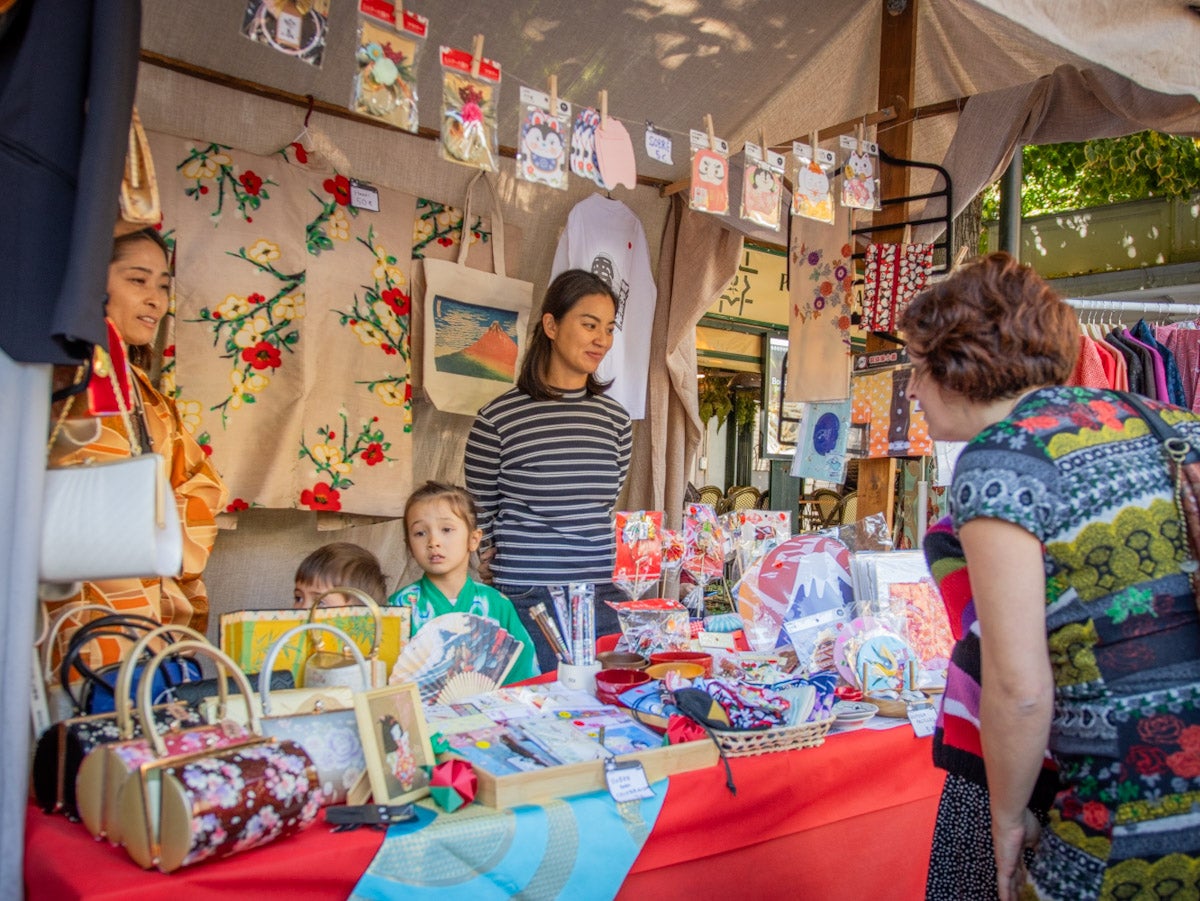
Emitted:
pixel 1059 177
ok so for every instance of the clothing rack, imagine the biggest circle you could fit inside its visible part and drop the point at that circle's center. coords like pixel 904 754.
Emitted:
pixel 1132 306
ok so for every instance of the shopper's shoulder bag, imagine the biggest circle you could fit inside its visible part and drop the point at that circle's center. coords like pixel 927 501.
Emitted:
pixel 475 321
pixel 175 811
pixel 1183 461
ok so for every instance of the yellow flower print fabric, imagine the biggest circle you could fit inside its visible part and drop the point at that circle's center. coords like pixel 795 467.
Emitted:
pixel 292 327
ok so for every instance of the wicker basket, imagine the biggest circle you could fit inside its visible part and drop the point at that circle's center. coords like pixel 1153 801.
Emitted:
pixel 764 741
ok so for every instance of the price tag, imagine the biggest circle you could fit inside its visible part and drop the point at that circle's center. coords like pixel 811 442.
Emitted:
pixel 364 196
pixel 626 780
pixel 923 718
pixel 658 145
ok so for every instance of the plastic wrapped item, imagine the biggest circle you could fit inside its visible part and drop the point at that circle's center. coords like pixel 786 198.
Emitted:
pixel 860 173
pixel 639 557
pixel 385 82
pixel 870 533
pixel 542 154
pixel 710 174
pixel 653 624
pixel 754 533
pixel 470 95
pixel 812 197
pixel 762 186
pixel 704 551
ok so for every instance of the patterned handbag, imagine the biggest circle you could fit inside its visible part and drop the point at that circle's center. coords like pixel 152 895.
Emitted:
pixel 324 669
pixel 330 737
pixel 106 768
pixel 62 748
pixel 178 811
pixel 1183 461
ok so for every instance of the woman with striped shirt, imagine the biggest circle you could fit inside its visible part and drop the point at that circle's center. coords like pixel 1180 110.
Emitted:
pixel 546 460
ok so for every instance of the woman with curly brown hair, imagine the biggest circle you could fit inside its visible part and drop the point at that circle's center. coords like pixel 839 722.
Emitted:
pixel 1078 560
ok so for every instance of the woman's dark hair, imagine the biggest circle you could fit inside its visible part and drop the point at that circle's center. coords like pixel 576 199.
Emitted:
pixel 567 289
pixel 991 330
pixel 142 355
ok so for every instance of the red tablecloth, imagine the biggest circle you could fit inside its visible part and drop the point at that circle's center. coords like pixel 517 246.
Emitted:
pixel 852 819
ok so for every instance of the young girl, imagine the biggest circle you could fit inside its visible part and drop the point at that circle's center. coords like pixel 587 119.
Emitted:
pixel 440 531
pixel 338 564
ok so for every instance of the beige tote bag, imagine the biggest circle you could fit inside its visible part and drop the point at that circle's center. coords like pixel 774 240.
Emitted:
pixel 475 322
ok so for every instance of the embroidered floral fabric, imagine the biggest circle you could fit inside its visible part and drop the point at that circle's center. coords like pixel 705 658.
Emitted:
pixel 290 358
pixel 895 274
pixel 1078 469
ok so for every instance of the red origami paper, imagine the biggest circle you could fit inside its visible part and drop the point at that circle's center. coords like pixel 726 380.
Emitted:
pixel 453 784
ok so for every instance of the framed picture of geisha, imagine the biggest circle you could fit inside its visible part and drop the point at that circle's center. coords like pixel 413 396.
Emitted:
pixel 395 740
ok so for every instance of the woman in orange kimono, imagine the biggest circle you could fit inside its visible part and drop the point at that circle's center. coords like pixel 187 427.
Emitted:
pixel 139 282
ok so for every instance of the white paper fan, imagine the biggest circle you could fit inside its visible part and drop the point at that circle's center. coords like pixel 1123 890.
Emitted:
pixel 465 685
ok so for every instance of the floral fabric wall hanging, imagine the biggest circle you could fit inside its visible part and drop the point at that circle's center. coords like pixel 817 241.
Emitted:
pixel 820 278
pixel 291 343
pixel 895 274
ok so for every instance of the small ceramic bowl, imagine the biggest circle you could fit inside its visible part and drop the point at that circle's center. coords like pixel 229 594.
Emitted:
pixel 705 660
pixel 621 660
pixel 685 668
pixel 611 682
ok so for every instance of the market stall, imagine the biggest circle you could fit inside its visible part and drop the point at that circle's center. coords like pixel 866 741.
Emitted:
pixel 225 101
pixel 788 828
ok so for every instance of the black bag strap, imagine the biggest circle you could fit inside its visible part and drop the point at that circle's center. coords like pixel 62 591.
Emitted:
pixel 117 625
pixel 1165 433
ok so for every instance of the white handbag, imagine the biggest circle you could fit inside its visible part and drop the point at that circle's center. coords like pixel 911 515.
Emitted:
pixel 476 322
pixel 112 519
pixel 327 669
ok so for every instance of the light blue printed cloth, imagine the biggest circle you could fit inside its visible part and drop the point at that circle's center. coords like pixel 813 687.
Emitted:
pixel 578 848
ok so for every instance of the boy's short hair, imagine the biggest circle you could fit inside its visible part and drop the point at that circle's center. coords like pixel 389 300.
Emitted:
pixel 343 564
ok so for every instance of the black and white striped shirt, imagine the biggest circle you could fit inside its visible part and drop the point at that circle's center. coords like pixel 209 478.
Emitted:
pixel 545 475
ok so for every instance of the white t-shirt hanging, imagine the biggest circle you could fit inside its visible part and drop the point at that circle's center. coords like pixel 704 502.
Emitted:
pixel 604 236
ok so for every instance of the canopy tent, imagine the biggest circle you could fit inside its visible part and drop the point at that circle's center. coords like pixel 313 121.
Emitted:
pixel 755 66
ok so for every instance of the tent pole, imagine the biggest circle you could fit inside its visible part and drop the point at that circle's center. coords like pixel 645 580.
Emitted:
pixel 1010 206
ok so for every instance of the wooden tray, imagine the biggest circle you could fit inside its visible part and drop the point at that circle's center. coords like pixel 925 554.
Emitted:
pixel 580 778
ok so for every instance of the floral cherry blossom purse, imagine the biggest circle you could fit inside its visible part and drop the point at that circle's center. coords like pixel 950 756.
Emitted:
pixel 180 810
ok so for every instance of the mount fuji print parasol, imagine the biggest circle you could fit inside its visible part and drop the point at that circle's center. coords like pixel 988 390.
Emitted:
pixel 806 578
pixel 455 656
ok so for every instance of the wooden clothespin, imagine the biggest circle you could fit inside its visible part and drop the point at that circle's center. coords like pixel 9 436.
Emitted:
pixel 907 239
pixel 476 55
pixel 813 137
pixel 859 133
pixel 708 127
pixel 960 256
pixel 553 95
pixel 763 137
pixel 603 109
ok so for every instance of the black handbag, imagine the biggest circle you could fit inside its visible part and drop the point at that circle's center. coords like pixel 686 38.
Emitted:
pixel 192 693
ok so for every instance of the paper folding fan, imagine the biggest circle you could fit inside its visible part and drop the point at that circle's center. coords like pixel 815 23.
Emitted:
pixel 457 655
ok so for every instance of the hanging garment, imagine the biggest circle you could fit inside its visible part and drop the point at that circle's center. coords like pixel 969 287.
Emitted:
pixel 1156 366
pixel 1133 362
pixel 1175 394
pixel 895 274
pixel 1089 369
pixel 67 79
pixel 1183 340
pixel 606 238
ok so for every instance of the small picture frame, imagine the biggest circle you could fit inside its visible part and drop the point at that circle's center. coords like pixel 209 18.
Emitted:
pixel 395 740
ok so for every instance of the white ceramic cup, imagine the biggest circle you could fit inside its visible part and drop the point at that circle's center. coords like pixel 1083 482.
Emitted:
pixel 579 677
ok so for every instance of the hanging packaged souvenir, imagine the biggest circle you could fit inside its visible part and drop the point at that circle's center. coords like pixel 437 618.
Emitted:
pixel 470 92
pixel 545 129
pixel 583 147
pixel 385 85
pixel 639 538
pixel 295 27
pixel 710 173
pixel 812 196
pixel 860 184
pixel 762 186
